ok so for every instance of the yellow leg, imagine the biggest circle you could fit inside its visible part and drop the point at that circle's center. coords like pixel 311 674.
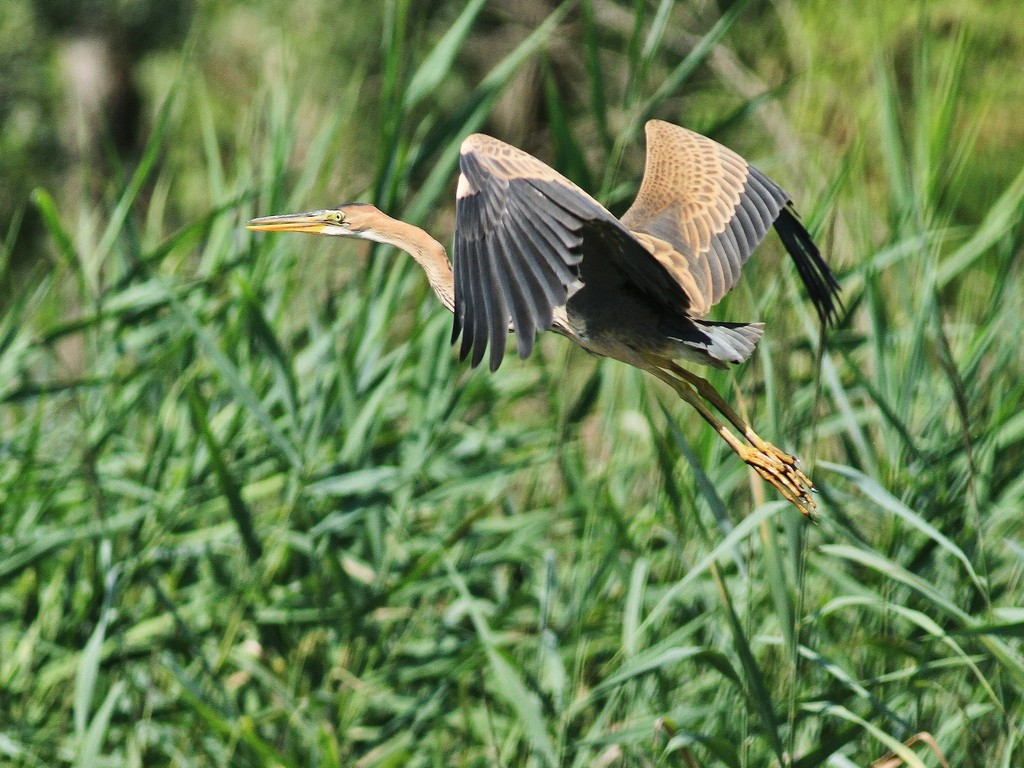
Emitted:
pixel 774 465
pixel 709 393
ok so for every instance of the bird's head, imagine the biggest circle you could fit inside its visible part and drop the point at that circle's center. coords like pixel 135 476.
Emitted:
pixel 360 220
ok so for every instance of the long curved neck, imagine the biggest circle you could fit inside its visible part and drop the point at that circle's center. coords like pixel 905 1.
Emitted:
pixel 427 252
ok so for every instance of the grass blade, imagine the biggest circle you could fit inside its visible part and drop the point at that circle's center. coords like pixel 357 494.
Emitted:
pixel 508 684
pixel 228 486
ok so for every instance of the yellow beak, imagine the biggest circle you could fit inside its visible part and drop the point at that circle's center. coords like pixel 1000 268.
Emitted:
pixel 314 223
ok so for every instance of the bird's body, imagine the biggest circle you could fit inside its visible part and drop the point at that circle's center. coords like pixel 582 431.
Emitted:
pixel 535 252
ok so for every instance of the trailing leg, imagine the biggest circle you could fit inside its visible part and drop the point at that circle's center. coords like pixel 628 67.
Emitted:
pixel 777 467
pixel 709 393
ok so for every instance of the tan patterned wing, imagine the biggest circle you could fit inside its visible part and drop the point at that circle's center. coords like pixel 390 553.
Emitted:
pixel 714 209
pixel 519 234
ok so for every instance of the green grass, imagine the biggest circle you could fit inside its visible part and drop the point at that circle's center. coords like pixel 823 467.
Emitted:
pixel 254 512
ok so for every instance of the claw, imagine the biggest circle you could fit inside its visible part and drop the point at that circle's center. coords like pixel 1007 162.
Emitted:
pixel 783 472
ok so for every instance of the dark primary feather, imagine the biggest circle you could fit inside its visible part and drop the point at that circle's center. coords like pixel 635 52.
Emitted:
pixel 822 285
pixel 513 261
pixel 817 277
pixel 518 242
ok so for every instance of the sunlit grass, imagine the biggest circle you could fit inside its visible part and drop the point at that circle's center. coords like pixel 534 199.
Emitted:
pixel 254 512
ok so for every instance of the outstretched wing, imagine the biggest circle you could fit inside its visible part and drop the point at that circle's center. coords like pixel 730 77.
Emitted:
pixel 714 208
pixel 519 235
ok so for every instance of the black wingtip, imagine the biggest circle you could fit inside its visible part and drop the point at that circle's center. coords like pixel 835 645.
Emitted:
pixel 524 342
pixel 456 328
pixel 466 349
pixel 821 284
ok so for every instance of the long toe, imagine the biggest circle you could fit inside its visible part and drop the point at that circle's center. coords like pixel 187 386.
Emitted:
pixel 781 470
pixel 765 447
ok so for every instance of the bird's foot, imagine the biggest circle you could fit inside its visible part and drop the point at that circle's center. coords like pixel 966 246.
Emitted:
pixel 782 471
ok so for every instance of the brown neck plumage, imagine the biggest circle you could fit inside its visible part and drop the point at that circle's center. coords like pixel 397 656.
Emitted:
pixel 427 252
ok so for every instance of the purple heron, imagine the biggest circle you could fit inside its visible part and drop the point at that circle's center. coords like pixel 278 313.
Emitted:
pixel 534 252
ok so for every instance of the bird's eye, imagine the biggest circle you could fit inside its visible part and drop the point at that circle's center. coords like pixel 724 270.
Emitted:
pixel 338 217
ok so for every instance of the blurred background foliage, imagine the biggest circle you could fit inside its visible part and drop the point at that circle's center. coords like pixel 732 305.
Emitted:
pixel 252 512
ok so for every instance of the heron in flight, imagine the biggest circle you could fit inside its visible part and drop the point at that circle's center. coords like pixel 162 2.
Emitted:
pixel 534 252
